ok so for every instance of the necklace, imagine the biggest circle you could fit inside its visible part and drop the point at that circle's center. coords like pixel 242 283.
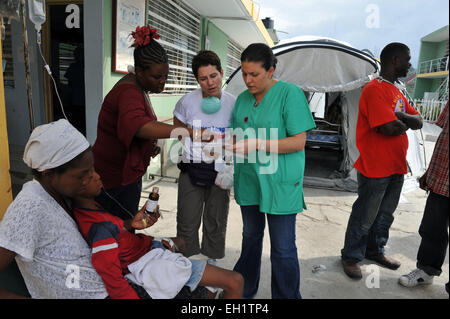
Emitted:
pixel 383 79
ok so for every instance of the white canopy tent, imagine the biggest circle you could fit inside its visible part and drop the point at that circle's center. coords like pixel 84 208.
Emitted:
pixel 317 65
pixel 325 67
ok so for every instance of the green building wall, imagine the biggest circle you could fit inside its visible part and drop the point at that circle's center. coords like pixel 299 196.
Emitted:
pixel 429 51
pixel 425 85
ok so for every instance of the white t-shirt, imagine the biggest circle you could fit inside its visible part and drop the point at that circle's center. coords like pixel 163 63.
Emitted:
pixel 188 110
pixel 52 255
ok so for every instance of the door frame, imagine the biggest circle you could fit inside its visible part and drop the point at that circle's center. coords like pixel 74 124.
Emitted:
pixel 46 36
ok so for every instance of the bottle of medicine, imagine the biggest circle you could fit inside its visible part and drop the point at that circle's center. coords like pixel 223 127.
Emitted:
pixel 152 202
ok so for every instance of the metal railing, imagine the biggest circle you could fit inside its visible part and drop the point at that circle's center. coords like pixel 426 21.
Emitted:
pixel 430 109
pixel 435 65
pixel 443 90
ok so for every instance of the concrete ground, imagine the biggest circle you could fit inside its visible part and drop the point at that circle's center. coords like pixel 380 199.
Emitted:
pixel 320 236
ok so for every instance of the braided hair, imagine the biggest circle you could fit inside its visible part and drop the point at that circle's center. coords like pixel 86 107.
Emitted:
pixel 149 54
pixel 146 50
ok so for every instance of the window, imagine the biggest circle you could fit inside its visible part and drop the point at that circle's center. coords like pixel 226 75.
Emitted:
pixel 179 29
pixel 7 63
pixel 233 57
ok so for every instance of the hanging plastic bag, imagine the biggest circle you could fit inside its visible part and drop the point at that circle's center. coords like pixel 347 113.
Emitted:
pixel 224 179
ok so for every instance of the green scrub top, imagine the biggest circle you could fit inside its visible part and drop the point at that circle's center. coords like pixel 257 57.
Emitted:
pixel 272 181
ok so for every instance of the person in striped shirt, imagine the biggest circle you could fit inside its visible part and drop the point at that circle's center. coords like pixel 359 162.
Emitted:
pixel 434 226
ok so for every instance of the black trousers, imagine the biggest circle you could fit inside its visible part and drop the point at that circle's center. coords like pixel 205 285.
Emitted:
pixel 434 232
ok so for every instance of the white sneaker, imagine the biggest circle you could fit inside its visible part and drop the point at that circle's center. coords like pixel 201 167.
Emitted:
pixel 212 261
pixel 415 278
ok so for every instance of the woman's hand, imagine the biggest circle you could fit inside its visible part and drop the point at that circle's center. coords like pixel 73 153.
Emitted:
pixel 143 220
pixel 285 145
pixel 245 146
pixel 201 135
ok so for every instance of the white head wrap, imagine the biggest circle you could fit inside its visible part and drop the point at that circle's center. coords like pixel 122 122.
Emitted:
pixel 52 145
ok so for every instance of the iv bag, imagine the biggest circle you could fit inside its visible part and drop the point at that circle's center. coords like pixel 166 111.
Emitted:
pixel 36 12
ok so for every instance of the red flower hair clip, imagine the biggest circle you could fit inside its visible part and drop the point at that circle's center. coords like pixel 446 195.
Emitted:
pixel 143 35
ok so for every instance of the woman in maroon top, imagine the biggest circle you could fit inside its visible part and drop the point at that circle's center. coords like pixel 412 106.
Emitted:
pixel 128 129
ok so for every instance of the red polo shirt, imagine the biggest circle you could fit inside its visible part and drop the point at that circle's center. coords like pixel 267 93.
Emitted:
pixel 120 157
pixel 381 155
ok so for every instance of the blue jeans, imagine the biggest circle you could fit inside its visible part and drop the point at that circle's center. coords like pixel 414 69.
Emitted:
pixel 283 253
pixel 371 217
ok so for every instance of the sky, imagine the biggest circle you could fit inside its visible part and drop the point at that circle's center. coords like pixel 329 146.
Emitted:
pixel 365 24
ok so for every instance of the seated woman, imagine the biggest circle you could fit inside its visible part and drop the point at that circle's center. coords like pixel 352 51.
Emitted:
pixel 124 259
pixel 38 229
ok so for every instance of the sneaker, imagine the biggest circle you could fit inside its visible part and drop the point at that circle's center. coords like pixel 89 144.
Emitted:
pixel 212 261
pixel 415 278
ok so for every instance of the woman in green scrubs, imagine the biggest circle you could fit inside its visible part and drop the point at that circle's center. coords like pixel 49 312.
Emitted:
pixel 270 121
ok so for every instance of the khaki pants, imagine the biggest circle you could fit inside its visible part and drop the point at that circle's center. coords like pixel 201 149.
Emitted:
pixel 195 202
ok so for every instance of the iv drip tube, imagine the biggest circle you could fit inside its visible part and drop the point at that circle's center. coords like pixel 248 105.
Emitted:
pixel 47 68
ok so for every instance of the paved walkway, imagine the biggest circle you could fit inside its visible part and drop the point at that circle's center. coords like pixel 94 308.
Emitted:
pixel 320 236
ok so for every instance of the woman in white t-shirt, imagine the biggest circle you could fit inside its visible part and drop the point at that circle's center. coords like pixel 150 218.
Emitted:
pixel 208 108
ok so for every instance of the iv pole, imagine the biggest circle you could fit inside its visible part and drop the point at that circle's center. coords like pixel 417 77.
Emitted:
pixel 27 64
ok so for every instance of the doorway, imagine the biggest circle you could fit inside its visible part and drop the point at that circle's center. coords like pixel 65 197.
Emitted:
pixel 63 42
pixel 324 145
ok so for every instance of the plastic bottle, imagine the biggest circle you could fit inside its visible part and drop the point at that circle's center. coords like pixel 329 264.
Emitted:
pixel 36 12
pixel 152 202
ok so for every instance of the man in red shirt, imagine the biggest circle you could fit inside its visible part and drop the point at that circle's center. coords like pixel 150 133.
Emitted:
pixel 434 226
pixel 384 117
